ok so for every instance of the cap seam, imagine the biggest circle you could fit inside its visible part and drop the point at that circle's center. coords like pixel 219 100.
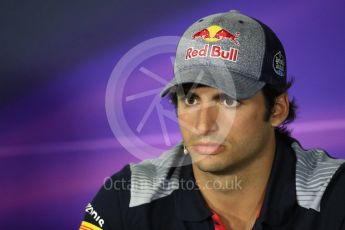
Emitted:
pixel 250 76
pixel 265 44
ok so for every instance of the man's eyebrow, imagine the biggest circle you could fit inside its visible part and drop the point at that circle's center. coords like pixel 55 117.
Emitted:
pixel 221 94
pixel 188 93
pixel 215 97
pixel 218 96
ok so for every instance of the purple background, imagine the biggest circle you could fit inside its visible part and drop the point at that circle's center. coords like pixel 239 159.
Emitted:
pixel 56 146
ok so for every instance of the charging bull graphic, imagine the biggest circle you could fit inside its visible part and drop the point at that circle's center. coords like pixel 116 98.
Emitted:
pixel 215 33
pixel 205 33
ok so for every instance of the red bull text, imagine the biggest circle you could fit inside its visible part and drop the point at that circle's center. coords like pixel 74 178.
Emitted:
pixel 215 52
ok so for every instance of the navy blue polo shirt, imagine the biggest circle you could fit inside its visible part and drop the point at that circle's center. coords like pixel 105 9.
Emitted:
pixel 306 190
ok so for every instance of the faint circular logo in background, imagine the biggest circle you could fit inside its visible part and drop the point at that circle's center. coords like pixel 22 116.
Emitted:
pixel 144 123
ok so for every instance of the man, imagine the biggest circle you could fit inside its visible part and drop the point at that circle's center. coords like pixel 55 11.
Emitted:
pixel 237 166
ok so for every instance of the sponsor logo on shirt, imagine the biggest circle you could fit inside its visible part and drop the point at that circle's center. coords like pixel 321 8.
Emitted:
pixel 89 209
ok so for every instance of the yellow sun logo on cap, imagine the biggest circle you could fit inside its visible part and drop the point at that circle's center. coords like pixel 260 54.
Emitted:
pixel 213 31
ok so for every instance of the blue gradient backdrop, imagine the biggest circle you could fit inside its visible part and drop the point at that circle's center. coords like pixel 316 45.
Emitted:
pixel 56 146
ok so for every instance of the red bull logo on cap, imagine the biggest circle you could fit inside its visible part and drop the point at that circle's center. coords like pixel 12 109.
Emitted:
pixel 215 33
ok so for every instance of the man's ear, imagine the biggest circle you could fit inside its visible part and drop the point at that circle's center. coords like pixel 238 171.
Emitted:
pixel 280 110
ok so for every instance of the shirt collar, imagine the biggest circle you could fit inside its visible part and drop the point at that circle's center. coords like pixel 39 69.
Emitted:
pixel 280 197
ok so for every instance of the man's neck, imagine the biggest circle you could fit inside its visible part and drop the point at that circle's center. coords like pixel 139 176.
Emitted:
pixel 237 196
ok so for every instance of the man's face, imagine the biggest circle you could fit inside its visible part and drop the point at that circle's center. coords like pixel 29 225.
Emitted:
pixel 220 133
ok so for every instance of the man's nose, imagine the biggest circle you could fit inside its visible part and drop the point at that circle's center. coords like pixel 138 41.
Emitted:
pixel 207 119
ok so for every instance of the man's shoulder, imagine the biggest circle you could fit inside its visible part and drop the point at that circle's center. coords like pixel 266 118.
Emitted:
pixel 145 181
pixel 111 199
pixel 156 178
pixel 148 169
pixel 134 185
pixel 316 172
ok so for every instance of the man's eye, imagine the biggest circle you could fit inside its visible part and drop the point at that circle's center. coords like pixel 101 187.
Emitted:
pixel 190 100
pixel 228 101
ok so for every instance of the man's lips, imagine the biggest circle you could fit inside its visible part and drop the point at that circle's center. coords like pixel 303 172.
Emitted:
pixel 208 149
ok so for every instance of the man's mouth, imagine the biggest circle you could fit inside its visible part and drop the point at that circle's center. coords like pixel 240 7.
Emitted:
pixel 208 148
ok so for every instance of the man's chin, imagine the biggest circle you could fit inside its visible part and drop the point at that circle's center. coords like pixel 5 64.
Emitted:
pixel 205 164
pixel 215 165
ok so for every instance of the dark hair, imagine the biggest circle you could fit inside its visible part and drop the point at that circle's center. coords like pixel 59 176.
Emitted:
pixel 271 93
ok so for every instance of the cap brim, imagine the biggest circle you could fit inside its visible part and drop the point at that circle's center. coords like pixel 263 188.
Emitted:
pixel 233 84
